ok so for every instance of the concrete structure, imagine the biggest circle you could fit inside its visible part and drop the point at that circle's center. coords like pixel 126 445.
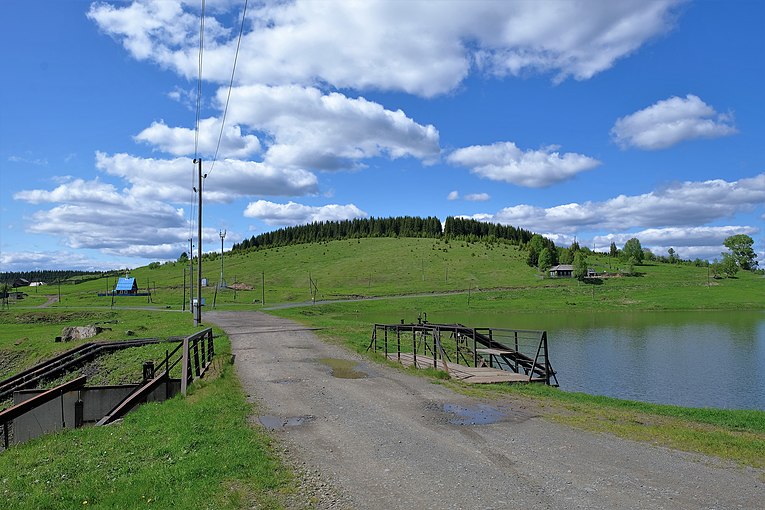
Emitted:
pixel 59 413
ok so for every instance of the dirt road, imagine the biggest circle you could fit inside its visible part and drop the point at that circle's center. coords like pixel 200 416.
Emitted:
pixel 389 440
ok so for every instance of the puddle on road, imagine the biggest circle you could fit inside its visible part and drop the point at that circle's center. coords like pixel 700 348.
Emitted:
pixel 343 368
pixel 480 414
pixel 281 422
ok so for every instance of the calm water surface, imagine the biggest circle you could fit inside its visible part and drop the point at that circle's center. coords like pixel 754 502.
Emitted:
pixel 693 359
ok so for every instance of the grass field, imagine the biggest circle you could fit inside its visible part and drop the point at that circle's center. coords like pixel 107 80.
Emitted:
pixel 494 272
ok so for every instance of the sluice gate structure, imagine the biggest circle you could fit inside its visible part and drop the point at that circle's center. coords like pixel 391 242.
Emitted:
pixel 473 355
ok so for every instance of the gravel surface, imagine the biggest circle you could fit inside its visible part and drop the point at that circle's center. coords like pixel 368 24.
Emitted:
pixel 390 440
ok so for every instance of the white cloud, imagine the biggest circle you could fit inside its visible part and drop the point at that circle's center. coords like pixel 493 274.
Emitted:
pixel 705 242
pixel 477 197
pixel 686 204
pixel 180 141
pixel 453 195
pixel 30 261
pixel 669 122
pixel 78 190
pixel 169 179
pixel 504 161
pixel 295 214
pixel 327 131
pixel 419 47
pixel 29 160
pixel 95 215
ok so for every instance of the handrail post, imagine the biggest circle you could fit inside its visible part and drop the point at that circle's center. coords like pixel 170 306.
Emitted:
pixel 414 347
pixel 185 366
pixel 536 358
pixel 398 343
pixel 435 352
pixel 547 359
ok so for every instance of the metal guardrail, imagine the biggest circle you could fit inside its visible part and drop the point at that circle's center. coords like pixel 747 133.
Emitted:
pixel 520 351
pixel 197 352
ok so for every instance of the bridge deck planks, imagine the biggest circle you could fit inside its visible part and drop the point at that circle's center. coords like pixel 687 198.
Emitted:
pixel 473 375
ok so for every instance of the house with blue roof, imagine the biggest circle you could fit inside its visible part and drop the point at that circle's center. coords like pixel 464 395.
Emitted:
pixel 126 286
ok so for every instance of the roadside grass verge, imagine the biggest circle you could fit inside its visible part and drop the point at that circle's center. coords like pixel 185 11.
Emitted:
pixel 198 452
pixel 737 435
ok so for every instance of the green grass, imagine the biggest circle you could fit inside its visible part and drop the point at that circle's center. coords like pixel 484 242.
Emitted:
pixel 198 452
pixel 406 266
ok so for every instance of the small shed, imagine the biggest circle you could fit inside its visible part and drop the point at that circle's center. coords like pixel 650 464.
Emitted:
pixel 562 271
pixel 126 286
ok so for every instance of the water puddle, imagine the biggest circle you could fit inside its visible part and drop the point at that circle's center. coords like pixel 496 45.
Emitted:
pixel 480 414
pixel 343 368
pixel 281 422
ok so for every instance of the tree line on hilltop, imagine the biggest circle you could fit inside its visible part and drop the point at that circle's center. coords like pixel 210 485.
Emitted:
pixel 50 276
pixel 401 226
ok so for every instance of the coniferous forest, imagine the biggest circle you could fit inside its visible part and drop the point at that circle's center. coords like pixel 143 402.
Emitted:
pixel 401 226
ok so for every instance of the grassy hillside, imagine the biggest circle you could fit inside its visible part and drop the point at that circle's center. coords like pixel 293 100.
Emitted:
pixel 375 267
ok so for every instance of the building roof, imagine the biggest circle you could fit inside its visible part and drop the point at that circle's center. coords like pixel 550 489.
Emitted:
pixel 125 284
pixel 562 267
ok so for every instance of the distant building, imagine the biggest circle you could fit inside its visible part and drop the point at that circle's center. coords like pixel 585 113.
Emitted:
pixel 20 282
pixel 37 284
pixel 567 271
pixel 562 271
pixel 126 286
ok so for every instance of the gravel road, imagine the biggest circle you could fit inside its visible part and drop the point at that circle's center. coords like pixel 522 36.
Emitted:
pixel 389 440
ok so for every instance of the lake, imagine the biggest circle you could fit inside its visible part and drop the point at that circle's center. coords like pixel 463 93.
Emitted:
pixel 692 359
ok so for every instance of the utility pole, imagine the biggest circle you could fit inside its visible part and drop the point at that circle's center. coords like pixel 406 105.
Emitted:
pixel 222 283
pixel 183 303
pixel 198 316
pixel 191 276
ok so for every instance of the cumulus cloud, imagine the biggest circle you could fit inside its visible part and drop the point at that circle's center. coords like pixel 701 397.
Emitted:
pixel 168 179
pixel 420 47
pixel 686 204
pixel 27 260
pixel 453 195
pixel 95 215
pixel 705 242
pixel 292 213
pixel 477 197
pixel 504 161
pixel 180 141
pixel 669 122
pixel 310 129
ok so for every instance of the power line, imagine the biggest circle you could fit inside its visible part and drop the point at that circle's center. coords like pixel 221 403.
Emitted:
pixel 230 86
pixel 199 80
pixel 198 113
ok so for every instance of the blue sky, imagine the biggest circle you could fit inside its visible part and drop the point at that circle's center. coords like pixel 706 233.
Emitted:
pixel 589 119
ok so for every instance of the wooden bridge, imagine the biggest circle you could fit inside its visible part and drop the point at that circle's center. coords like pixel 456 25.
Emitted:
pixel 473 355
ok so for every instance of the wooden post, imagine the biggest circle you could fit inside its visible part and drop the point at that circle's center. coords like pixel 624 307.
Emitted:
pixel 185 366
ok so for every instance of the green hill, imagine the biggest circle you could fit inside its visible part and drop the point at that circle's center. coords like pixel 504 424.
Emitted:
pixel 380 267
